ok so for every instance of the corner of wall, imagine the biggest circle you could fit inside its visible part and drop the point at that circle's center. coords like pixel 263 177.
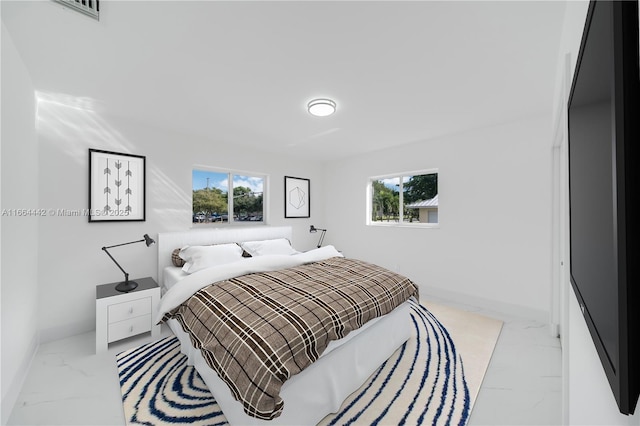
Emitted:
pixel 20 336
pixel 12 392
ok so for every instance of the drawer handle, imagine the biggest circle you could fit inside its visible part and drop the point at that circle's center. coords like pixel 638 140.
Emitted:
pixel 131 310
pixel 131 329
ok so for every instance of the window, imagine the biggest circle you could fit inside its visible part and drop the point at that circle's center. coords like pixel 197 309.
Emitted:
pixel 404 199
pixel 211 201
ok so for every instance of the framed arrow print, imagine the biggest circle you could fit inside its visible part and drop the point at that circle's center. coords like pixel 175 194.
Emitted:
pixel 116 187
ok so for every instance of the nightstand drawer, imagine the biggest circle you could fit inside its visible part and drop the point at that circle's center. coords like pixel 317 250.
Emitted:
pixel 131 327
pixel 126 310
pixel 125 314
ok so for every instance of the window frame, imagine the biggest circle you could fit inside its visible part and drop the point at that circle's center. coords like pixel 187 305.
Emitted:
pixel 230 174
pixel 400 223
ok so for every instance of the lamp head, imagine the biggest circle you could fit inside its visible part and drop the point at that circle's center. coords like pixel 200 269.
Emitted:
pixel 313 229
pixel 148 240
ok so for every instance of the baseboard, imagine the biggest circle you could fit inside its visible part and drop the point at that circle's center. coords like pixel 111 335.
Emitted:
pixel 471 302
pixel 10 398
pixel 64 331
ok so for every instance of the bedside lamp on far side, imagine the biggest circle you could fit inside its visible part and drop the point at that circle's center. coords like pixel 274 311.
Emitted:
pixel 313 229
pixel 127 285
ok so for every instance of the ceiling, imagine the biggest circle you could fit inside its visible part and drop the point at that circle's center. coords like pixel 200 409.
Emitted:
pixel 242 72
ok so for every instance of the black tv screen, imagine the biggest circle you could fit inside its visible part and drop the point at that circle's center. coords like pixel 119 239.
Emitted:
pixel 603 191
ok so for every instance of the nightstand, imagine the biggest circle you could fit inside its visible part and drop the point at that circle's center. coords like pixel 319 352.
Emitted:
pixel 120 315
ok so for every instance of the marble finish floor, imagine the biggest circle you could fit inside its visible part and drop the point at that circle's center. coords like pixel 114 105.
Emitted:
pixel 69 384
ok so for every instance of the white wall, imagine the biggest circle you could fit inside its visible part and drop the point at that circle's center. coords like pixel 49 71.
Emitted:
pixel 19 233
pixel 588 399
pixel 71 260
pixel 492 245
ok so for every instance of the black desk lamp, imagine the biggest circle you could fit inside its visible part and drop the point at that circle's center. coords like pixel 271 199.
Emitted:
pixel 127 285
pixel 314 229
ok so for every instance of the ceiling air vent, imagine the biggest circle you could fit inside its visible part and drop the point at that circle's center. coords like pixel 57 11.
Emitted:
pixel 88 7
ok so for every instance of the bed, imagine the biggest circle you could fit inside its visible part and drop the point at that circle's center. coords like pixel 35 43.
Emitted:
pixel 321 387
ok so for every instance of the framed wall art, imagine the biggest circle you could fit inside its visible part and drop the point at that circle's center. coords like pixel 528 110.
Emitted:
pixel 296 197
pixel 116 187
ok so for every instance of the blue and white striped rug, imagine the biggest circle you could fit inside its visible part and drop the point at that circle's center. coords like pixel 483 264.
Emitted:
pixel 422 383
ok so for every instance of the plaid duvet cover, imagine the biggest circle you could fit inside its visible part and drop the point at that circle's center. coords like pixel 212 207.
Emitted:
pixel 259 329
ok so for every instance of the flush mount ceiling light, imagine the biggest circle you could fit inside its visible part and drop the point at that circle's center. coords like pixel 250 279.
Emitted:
pixel 321 107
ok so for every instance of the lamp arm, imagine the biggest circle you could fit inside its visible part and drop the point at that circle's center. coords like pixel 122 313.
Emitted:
pixel 126 275
pixel 313 229
pixel 118 245
pixel 324 231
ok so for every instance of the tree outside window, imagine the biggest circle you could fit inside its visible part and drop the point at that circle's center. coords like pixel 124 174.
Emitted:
pixel 212 204
pixel 410 198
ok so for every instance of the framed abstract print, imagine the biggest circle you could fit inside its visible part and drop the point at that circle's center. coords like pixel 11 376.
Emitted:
pixel 296 197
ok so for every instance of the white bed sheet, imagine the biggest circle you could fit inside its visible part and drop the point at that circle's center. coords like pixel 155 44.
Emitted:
pixel 172 274
pixel 321 388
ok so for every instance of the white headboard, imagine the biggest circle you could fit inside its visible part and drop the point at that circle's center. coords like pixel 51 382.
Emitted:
pixel 169 241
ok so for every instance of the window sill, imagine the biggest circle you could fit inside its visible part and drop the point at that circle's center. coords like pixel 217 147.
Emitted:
pixel 404 225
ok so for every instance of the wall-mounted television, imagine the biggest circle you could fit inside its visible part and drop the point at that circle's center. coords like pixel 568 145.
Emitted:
pixel 604 191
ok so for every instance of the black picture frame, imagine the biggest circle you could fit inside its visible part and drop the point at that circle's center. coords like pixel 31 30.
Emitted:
pixel 297 199
pixel 117 190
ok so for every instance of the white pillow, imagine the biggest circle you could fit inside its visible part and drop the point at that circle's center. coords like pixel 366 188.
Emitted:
pixel 265 247
pixel 201 257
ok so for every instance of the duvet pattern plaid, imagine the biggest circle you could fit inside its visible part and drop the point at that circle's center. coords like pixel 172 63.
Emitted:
pixel 259 329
